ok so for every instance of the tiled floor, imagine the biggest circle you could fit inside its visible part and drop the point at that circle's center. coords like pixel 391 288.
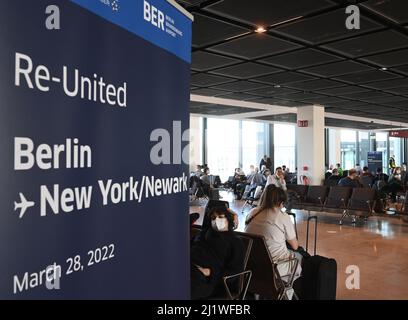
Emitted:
pixel 379 248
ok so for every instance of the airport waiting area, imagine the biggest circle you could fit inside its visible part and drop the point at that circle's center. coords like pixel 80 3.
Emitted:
pixel 298 138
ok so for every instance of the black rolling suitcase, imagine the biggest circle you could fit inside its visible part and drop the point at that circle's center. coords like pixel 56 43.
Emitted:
pixel 319 278
pixel 319 274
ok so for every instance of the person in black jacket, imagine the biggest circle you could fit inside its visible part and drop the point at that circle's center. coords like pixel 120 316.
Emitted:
pixel 335 177
pixel 218 253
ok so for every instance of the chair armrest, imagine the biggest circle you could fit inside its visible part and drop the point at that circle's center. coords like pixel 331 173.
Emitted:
pixel 285 261
pixel 232 276
pixel 237 275
pixel 292 274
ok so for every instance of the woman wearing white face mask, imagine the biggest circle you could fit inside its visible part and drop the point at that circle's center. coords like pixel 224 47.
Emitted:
pixel 219 253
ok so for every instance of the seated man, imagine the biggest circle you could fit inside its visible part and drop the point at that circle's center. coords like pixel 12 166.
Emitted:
pixel 334 176
pixel 380 176
pixel 198 171
pixel 366 172
pixel 395 184
pixel 206 181
pixel 220 252
pixel 351 180
pixel 278 179
pixel 258 179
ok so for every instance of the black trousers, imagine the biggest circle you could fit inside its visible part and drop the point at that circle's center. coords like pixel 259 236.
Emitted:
pixel 201 286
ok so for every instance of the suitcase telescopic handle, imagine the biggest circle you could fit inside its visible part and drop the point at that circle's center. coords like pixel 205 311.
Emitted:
pixel 307 233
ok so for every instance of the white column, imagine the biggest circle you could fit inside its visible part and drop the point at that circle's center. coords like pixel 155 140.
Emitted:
pixel 310 144
pixel 334 146
pixel 195 143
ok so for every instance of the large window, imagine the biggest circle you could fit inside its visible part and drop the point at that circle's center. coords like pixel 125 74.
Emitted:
pixel 364 147
pixel 381 145
pixel 223 146
pixel 348 148
pixel 285 145
pixel 196 142
pixel 232 144
pixel 254 143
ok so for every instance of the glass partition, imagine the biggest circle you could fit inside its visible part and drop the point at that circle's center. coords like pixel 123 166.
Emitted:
pixel 223 146
pixel 254 143
pixel 348 148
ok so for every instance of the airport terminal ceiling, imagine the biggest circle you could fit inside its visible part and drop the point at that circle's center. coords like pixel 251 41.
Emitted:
pixel 306 56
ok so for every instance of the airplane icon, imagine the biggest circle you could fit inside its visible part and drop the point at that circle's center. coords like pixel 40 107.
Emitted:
pixel 23 205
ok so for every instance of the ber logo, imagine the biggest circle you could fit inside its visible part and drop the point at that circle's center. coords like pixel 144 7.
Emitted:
pixel 153 15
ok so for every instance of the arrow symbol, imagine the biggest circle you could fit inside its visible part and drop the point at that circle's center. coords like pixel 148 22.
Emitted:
pixel 23 205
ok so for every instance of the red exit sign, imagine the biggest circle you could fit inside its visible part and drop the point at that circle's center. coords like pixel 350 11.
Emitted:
pixel 399 133
pixel 303 123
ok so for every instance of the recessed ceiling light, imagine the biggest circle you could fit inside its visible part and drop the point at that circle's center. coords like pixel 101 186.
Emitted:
pixel 260 30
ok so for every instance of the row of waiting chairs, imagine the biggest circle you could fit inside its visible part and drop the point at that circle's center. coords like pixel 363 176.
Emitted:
pixel 347 201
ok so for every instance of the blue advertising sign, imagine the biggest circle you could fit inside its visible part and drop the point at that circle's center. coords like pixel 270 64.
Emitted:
pixel 94 124
pixel 374 160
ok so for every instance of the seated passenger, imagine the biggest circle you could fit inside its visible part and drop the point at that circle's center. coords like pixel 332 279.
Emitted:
pixel 199 171
pixel 351 180
pixel 328 173
pixel 219 253
pixel 395 183
pixel 251 173
pixel 334 176
pixel 267 173
pixel 380 176
pixel 278 179
pixel 239 173
pixel 258 179
pixel 276 226
pixel 206 181
pixel 366 172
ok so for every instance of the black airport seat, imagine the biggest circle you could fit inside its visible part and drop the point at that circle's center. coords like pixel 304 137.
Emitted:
pixel 367 181
pixel 338 198
pixel 362 202
pixel 331 183
pixel 405 204
pixel 265 280
pixel 300 191
pixel 315 198
pixel 244 277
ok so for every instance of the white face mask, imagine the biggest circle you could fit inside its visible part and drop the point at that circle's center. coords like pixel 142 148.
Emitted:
pixel 220 224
